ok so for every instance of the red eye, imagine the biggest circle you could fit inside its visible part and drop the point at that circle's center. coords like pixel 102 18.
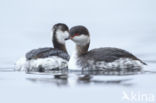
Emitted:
pixel 75 35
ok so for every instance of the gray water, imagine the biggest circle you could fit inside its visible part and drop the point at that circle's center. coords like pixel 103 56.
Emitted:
pixel 126 24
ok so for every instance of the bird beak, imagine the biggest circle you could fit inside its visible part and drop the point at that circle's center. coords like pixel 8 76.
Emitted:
pixel 67 38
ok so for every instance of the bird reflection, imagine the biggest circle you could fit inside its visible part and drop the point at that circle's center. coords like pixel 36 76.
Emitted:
pixel 58 78
pixel 86 80
pixel 54 81
pixel 62 78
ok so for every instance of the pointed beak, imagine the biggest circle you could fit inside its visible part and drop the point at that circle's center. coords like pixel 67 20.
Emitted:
pixel 67 38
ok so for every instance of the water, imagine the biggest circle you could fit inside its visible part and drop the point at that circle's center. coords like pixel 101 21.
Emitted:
pixel 26 25
pixel 62 86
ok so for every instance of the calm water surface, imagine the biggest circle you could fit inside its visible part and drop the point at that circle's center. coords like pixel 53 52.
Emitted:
pixel 77 86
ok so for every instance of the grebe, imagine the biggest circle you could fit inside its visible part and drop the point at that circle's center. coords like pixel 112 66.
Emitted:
pixel 42 59
pixel 107 58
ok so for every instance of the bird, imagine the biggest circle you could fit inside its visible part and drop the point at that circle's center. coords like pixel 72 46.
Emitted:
pixel 47 58
pixel 103 58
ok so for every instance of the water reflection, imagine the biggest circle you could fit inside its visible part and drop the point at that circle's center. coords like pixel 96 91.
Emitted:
pixel 57 77
pixel 87 79
pixel 68 78
pixel 55 81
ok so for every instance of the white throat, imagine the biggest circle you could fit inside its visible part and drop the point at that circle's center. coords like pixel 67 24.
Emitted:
pixel 61 36
pixel 72 64
pixel 81 40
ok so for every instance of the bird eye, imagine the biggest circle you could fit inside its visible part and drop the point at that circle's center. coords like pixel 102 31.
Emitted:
pixel 76 34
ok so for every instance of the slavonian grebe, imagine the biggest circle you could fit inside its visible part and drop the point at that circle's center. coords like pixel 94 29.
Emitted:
pixel 43 59
pixel 107 58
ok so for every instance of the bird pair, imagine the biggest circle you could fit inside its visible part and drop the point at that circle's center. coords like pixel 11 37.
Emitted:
pixel 105 59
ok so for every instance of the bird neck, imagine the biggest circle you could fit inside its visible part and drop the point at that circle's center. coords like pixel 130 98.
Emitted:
pixel 57 44
pixel 81 50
